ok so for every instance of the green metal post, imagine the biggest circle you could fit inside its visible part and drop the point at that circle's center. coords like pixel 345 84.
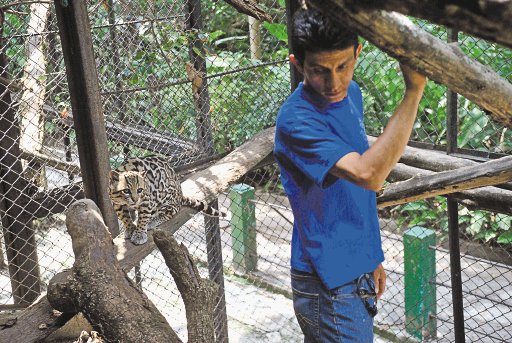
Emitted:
pixel 243 226
pixel 420 287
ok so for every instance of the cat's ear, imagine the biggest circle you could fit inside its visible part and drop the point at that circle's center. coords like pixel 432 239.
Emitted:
pixel 114 175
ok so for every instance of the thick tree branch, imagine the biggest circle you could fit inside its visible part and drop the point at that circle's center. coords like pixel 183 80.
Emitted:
pixel 488 19
pixel 436 161
pixel 426 186
pixel 199 295
pixel 100 289
pixel 251 8
pixel 443 63
pixel 485 198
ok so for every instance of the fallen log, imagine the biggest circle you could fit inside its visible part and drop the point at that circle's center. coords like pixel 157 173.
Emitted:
pixel 426 186
pixel 485 198
pixel 396 35
pixel 225 172
pixel 488 19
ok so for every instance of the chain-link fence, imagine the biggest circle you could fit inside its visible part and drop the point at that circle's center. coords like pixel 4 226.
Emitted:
pixel 190 79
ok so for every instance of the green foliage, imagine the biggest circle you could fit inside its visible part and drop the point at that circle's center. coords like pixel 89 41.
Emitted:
pixel 277 30
pixel 478 225
pixel 244 103
pixel 429 213
pixel 487 226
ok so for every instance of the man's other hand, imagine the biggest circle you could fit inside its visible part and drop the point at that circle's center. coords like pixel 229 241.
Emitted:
pixel 379 276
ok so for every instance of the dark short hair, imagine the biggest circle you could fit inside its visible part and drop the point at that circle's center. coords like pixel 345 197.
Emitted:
pixel 313 31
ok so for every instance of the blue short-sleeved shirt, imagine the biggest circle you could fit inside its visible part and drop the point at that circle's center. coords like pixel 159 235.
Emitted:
pixel 336 231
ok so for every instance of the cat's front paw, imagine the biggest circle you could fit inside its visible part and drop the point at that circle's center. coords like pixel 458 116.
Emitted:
pixel 127 234
pixel 139 238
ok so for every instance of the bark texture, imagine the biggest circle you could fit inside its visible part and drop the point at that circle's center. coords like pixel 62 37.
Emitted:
pixel 485 198
pixel 488 19
pixel 426 186
pixel 100 289
pixel 199 295
pixel 250 8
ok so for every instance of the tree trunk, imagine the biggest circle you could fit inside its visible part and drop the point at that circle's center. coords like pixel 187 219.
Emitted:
pixel 34 89
pixel 254 38
pixel 488 19
pixel 199 295
pixel 100 289
pixel 441 62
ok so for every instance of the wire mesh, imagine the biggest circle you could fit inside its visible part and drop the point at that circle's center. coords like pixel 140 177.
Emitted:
pixel 178 89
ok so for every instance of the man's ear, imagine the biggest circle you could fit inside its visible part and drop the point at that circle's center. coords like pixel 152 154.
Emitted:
pixel 296 63
pixel 358 50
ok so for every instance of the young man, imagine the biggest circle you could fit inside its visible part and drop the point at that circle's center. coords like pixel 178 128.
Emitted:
pixel 330 176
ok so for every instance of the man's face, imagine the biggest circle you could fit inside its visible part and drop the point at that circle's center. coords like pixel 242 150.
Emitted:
pixel 328 73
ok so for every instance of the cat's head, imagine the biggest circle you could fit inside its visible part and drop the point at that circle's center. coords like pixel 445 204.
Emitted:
pixel 127 187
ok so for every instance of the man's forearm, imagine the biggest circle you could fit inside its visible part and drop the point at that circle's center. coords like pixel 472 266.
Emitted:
pixel 370 169
pixel 389 146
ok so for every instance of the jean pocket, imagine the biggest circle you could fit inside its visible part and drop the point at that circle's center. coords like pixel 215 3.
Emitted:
pixel 306 306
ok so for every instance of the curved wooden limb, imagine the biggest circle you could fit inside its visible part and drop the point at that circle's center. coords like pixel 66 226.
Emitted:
pixel 199 295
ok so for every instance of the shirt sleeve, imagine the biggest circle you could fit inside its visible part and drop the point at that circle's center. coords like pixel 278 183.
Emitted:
pixel 313 148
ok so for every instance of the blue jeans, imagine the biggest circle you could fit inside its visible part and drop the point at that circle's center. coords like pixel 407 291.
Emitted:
pixel 325 316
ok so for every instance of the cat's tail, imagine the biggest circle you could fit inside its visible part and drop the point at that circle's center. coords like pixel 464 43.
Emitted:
pixel 202 206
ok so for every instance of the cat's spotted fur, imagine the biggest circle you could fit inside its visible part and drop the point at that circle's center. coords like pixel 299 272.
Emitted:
pixel 149 186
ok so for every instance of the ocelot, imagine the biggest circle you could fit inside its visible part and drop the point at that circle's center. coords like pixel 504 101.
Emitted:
pixel 149 186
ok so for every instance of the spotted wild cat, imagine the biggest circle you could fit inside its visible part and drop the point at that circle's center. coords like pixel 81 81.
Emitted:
pixel 150 186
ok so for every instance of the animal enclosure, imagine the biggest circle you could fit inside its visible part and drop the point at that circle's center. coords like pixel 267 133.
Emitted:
pixel 192 81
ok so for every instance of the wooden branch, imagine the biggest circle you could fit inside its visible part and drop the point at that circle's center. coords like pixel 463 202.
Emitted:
pixel 11 85
pixel 50 161
pixel 435 160
pixel 226 171
pixel 199 295
pixel 441 62
pixel 426 186
pixel 100 289
pixel 485 198
pixel 251 8
pixel 34 85
pixel 488 19
pixel 149 139
pixel 137 135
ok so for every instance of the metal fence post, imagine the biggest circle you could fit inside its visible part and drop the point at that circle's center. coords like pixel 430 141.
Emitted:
pixel 420 288
pixel 453 212
pixel 243 224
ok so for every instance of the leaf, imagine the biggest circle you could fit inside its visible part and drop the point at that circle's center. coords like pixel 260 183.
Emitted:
pixel 415 206
pixel 476 223
pixel 277 30
pixel 504 221
pixel 505 238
